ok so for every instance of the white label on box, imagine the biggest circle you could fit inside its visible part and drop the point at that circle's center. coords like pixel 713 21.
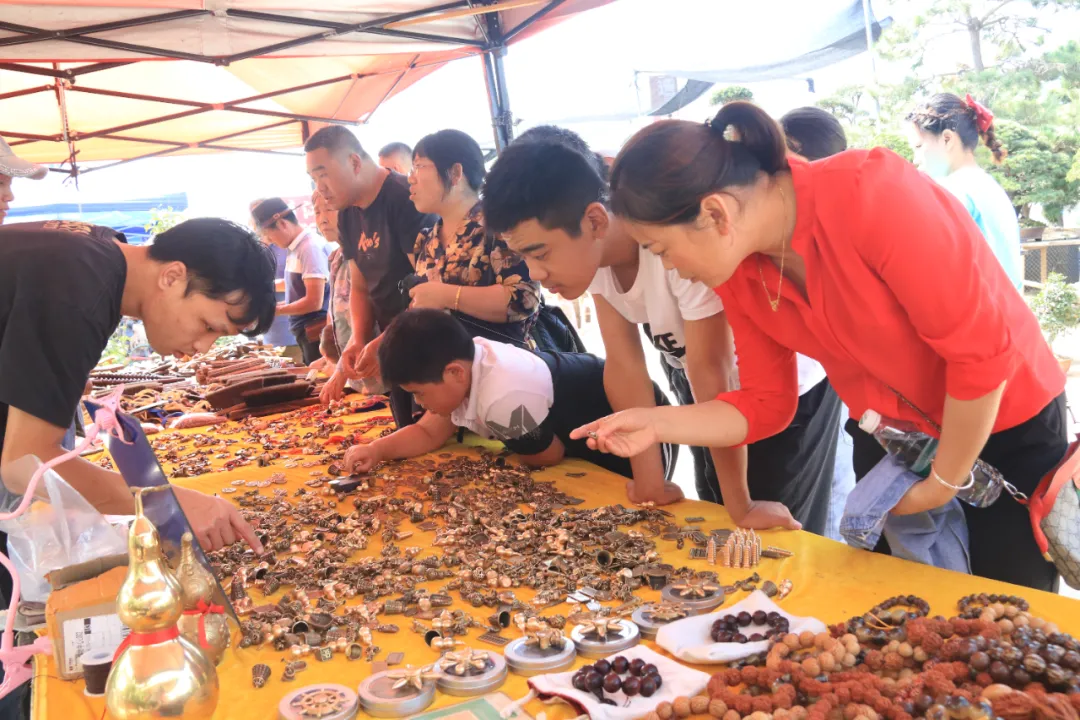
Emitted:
pixel 81 635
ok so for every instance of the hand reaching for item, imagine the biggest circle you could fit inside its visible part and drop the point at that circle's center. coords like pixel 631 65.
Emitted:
pixel 334 389
pixel 367 366
pixel 215 522
pixel 350 356
pixel 434 295
pixel 361 458
pixel 625 433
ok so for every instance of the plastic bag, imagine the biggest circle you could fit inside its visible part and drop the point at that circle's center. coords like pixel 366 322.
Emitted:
pixel 64 530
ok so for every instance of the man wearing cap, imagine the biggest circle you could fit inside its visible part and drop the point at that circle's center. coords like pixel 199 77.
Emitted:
pixel 307 272
pixel 13 166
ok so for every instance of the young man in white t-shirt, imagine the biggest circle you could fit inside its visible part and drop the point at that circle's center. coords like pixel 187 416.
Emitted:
pixel 529 401
pixel 550 201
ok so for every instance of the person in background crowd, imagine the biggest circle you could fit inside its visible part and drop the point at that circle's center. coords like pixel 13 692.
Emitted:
pixel 397 156
pixel 306 272
pixel 813 134
pixel 378 226
pixel 530 401
pixel 460 266
pixel 869 266
pixel 279 333
pixel 12 166
pixel 944 134
pixel 551 202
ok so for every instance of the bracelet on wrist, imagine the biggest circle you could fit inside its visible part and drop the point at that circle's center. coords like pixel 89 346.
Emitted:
pixel 946 483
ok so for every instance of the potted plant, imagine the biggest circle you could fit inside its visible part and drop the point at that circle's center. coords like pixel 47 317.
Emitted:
pixel 1057 307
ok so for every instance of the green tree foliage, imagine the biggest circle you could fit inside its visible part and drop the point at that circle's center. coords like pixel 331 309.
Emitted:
pixel 1034 94
pixel 724 95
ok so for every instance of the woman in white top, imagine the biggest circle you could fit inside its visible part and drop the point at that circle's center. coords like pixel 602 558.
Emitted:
pixel 944 134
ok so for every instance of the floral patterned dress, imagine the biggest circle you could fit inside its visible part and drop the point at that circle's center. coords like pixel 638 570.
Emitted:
pixel 473 257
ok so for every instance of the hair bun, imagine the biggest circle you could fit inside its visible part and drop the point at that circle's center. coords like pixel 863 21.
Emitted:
pixel 753 128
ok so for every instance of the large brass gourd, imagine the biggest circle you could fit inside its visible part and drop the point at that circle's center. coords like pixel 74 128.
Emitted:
pixel 158 673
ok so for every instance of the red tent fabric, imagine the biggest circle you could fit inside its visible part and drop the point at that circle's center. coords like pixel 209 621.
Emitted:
pixel 122 79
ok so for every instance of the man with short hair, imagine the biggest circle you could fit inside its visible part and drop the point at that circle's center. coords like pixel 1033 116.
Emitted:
pixel 378 226
pixel 396 156
pixel 550 200
pixel 307 274
pixel 64 287
pixel 12 166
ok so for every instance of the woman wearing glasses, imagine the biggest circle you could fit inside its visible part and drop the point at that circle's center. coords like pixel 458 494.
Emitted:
pixel 459 265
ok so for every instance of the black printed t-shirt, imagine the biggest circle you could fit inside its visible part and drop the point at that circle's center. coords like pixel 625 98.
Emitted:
pixel 379 239
pixel 61 283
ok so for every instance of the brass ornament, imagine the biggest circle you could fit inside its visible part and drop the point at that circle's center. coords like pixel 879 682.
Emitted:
pixel 197 587
pixel 412 677
pixel 171 678
pixel 666 612
pixel 695 587
pixel 260 674
pixel 601 627
pixel 463 661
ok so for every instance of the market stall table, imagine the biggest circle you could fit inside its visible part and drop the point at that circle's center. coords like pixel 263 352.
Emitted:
pixel 832 582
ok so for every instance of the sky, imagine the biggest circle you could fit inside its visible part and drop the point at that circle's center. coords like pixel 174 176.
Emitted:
pixel 583 69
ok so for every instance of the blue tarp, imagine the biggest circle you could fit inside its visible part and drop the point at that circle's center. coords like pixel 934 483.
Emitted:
pixel 128 216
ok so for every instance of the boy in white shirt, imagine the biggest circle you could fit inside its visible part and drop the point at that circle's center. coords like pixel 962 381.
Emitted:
pixel 529 401
pixel 549 199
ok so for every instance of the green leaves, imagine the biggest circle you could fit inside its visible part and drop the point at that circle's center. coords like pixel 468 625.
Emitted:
pixel 1056 306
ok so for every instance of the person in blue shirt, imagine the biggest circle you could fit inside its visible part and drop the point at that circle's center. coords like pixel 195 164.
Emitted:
pixel 307 274
pixel 945 132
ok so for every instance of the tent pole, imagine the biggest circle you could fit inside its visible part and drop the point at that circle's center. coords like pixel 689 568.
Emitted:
pixel 495 103
pixel 869 25
pixel 502 121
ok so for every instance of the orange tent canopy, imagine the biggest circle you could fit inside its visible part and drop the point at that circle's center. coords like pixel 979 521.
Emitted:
pixel 119 80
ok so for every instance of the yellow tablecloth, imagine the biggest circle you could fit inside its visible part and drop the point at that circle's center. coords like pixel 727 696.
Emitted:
pixel 832 582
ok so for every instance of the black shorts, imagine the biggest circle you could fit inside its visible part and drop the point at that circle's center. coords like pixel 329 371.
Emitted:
pixel 578 380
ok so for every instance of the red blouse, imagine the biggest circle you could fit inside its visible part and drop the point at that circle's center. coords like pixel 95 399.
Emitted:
pixel 902 291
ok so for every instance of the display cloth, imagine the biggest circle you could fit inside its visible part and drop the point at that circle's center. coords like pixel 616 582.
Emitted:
pixel 832 582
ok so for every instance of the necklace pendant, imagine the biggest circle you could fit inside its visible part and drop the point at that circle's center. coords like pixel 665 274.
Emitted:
pixel 774 304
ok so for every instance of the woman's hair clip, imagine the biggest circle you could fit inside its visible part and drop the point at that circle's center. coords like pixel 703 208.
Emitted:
pixel 729 132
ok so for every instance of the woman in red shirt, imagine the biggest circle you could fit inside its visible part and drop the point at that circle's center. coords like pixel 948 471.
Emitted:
pixel 871 268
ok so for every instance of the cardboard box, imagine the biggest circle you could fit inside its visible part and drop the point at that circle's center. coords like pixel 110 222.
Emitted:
pixel 82 617
pixel 84 571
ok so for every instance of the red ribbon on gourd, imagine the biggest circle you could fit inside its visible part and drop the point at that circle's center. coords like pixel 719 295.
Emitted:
pixel 202 610
pixel 140 639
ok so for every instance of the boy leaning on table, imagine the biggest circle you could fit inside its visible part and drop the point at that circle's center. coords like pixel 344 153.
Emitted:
pixel 529 401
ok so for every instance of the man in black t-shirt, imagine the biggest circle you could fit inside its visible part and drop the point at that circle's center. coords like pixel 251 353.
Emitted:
pixel 378 225
pixel 63 288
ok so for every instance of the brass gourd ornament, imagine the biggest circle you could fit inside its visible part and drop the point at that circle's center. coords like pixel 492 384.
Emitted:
pixel 157 673
pixel 202 622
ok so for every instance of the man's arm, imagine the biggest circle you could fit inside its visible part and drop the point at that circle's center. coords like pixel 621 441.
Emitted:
pixel 360 311
pixel 553 455
pixel 215 521
pixel 430 433
pixel 627 385
pixel 28 435
pixel 312 301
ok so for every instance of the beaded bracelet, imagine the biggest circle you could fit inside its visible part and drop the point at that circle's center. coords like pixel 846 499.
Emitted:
pixel 973 606
pixel 604 676
pixel 729 628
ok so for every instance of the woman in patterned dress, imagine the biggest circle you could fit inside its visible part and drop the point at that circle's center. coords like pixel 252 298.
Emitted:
pixel 459 265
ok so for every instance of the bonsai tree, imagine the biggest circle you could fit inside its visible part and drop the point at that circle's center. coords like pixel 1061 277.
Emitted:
pixel 1057 307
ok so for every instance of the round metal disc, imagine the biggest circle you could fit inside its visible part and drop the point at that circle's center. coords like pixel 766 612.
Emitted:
pixel 475 682
pixel 378 697
pixel 528 660
pixel 647 624
pixel 325 701
pixel 591 646
pixel 696 606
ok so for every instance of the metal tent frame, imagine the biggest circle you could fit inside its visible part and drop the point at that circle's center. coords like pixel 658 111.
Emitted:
pixel 65 80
